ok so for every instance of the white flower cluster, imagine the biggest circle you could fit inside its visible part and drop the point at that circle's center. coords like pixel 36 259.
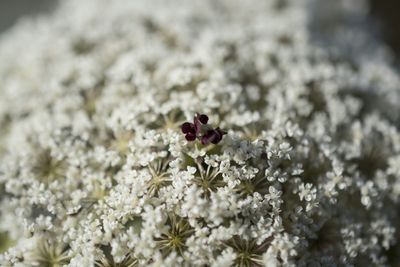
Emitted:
pixel 95 171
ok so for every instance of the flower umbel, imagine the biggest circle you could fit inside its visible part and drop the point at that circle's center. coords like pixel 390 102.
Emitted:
pixel 95 171
pixel 201 130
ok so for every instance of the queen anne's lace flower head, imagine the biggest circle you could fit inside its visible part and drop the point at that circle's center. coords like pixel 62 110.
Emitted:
pixel 293 159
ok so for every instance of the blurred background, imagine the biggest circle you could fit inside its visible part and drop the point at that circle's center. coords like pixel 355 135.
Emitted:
pixel 12 10
pixel 386 13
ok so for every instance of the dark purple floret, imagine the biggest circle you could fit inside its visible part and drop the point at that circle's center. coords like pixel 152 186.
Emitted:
pixel 220 132
pixel 203 118
pixel 188 127
pixel 197 123
pixel 190 137
pixel 212 136
pixel 200 130
pixel 208 137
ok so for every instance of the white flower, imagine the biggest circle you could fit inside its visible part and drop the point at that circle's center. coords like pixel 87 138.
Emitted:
pixel 95 169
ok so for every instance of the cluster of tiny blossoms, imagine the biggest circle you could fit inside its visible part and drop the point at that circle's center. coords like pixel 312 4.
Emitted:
pixel 98 169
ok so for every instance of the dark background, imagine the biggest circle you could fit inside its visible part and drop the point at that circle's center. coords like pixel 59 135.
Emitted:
pixel 387 13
